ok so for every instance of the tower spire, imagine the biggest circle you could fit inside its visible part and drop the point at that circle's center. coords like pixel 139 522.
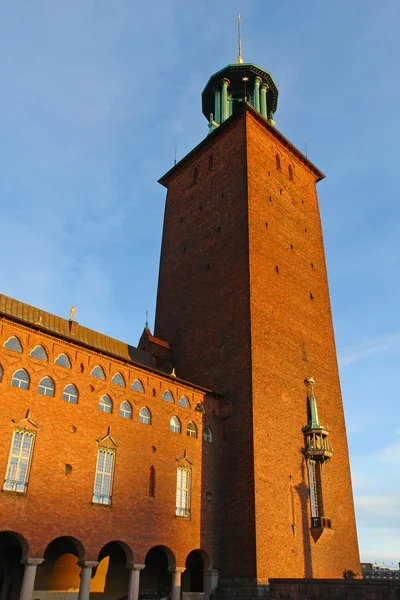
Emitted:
pixel 240 57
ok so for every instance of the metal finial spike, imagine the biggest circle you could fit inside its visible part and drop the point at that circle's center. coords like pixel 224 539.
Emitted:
pixel 146 325
pixel 240 57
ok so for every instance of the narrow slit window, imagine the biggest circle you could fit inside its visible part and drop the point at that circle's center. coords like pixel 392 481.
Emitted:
pixel 102 493
pixel 152 482
pixel 290 173
pixel 278 162
pixel 313 476
pixel 19 462
pixel 1 373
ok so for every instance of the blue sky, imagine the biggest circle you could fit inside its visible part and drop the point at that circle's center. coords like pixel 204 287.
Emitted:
pixel 95 96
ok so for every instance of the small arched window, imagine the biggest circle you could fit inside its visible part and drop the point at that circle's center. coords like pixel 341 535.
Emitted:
pixel 125 410
pixel 278 162
pixel 105 404
pixel 168 397
pixel 98 372
pixel 63 361
pixel 175 425
pixel 1 373
pixel 46 387
pixel 200 408
pixel 184 402
pixel 145 416
pixel 290 173
pixel 207 435
pixel 40 353
pixel 196 175
pixel 137 386
pixel 13 344
pixel 70 394
pixel 118 380
pixel 21 379
pixel 191 430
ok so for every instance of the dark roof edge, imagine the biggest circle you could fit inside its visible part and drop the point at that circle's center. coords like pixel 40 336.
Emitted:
pixel 71 339
pixel 245 107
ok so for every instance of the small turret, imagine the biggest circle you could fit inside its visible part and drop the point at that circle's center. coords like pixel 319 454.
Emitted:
pixel 316 440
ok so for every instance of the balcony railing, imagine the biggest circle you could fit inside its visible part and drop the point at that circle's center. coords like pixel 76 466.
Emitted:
pixel 320 522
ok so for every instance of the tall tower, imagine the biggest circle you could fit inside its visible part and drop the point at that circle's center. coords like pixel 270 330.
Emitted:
pixel 243 301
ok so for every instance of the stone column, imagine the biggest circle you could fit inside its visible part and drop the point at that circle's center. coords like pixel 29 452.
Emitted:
pixel 134 578
pixel 86 577
pixel 257 83
pixel 263 100
pixel 176 583
pixel 224 100
pixel 210 581
pixel 28 581
pixel 217 106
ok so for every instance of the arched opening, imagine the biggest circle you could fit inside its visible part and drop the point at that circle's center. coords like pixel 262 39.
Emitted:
pixel 13 548
pixel 111 579
pixel 59 571
pixel 156 578
pixel 193 578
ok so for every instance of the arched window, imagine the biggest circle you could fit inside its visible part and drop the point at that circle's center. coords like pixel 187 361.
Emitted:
pixel 125 410
pixel 63 361
pixel 14 344
pixel 168 397
pixel 46 387
pixel 207 435
pixel 137 386
pixel 290 173
pixel 21 379
pixel 145 416
pixel 98 372
pixel 1 373
pixel 175 425
pixel 200 408
pixel 191 430
pixel 278 162
pixel 105 404
pixel 152 482
pixel 118 380
pixel 39 352
pixel 70 394
pixel 184 402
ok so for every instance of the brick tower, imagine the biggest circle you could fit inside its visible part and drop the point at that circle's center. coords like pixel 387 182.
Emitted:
pixel 243 301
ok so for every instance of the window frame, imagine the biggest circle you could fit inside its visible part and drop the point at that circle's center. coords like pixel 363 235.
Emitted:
pixel 147 419
pixel 70 395
pixel 124 410
pixel 66 366
pixel 207 434
pixel 17 484
pixel 168 397
pixel 21 387
pixel 99 405
pixel 184 402
pixel 52 389
pixel 191 430
pixel 101 370
pixel 183 492
pixel 19 348
pixel 123 382
pixel 179 430
pixel 101 498
pixel 44 356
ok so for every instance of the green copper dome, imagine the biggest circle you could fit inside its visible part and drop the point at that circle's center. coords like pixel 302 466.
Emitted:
pixel 235 84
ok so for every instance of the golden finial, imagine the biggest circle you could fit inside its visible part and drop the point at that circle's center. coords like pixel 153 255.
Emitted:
pixel 240 57
pixel 72 313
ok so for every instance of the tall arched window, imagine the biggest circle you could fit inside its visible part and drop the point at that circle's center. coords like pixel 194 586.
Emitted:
pixel 184 402
pixel 98 372
pixel 145 416
pixel 207 435
pixel 137 386
pixel 21 379
pixel 46 387
pixel 125 410
pixel 63 361
pixel 191 430
pixel 175 425
pixel 14 344
pixel 168 397
pixel 39 352
pixel 105 404
pixel 278 162
pixel 118 380
pixel 70 394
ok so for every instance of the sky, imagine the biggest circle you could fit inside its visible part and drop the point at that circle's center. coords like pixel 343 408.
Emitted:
pixel 96 95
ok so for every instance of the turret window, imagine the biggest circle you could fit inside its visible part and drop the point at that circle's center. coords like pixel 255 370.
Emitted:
pixel 13 344
pixel 1 373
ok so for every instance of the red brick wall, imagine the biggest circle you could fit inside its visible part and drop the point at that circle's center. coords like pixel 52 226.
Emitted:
pixel 242 327
pixel 57 504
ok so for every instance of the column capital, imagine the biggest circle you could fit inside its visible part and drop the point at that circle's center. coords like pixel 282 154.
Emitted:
pixel 135 566
pixel 87 564
pixel 177 569
pixel 258 81
pixel 32 562
pixel 225 81
pixel 265 87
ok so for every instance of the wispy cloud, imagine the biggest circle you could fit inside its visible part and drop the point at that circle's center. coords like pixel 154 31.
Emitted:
pixel 389 344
